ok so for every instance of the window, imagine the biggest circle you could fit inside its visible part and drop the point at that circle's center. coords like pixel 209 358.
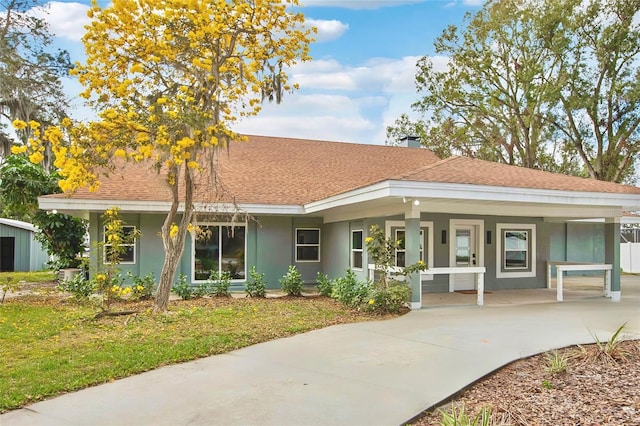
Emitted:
pixel 219 248
pixel 356 249
pixel 516 250
pixel 307 245
pixel 400 251
pixel 129 246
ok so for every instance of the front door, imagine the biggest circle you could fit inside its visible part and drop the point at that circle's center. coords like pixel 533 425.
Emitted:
pixel 465 253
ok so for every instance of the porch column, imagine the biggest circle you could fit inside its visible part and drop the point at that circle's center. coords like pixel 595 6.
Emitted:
pixel 412 254
pixel 612 254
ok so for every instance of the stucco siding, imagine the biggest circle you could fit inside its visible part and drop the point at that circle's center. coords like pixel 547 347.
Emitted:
pixel 274 239
pixel 335 249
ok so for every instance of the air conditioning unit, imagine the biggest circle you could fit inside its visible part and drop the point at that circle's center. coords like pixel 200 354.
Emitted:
pixel 67 274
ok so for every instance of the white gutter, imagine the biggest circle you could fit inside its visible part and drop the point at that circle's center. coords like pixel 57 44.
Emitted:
pixel 71 204
pixel 426 190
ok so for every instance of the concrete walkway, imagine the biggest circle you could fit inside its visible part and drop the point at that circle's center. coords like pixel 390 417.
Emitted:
pixel 375 373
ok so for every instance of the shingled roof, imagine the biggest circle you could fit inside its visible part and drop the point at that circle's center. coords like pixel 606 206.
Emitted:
pixel 285 171
pixel 464 170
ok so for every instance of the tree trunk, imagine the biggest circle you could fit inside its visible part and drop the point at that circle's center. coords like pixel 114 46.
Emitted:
pixel 174 246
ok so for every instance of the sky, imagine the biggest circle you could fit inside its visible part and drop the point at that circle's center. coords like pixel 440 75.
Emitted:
pixel 361 77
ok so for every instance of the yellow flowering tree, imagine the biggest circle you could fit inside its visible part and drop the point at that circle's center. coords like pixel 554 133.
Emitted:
pixel 168 79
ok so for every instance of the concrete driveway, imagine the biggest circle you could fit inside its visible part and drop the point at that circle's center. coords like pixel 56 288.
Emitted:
pixel 374 373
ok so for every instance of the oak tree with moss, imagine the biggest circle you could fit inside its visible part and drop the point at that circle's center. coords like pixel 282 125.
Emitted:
pixel 548 84
pixel 168 80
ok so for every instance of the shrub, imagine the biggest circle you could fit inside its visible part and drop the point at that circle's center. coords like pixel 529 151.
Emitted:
pixel 291 283
pixel 611 350
pixel 460 417
pixel 256 286
pixel 350 291
pixel 79 287
pixel 392 299
pixel 182 288
pixel 142 287
pixel 388 295
pixel 325 285
pixel 201 290
pixel 556 363
pixel 219 284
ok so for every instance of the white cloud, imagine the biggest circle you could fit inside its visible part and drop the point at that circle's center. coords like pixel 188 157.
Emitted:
pixel 343 103
pixel 357 4
pixel 66 20
pixel 473 3
pixel 324 117
pixel 327 29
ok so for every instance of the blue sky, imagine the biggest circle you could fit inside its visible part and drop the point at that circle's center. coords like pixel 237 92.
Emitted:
pixel 361 77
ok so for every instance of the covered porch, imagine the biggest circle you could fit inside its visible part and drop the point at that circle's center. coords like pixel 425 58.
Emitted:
pixel 576 288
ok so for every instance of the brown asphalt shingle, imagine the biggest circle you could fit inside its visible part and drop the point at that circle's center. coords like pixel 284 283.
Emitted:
pixel 286 171
pixel 470 171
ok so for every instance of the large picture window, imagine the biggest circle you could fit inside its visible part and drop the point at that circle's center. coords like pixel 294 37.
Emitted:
pixel 307 245
pixel 219 248
pixel 356 249
pixel 128 255
pixel 515 250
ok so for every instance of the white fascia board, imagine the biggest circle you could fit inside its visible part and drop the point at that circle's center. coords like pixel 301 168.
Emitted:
pixel 268 209
pixel 367 193
pixel 83 205
pixel 73 204
pixel 395 188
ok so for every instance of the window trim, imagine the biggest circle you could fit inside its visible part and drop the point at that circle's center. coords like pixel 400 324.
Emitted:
pixel 308 245
pixel 354 250
pixel 532 255
pixel 218 224
pixel 133 244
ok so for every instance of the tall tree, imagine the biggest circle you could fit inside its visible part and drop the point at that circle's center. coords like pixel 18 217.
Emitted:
pixel 168 79
pixel 522 80
pixel 597 46
pixel 21 183
pixel 30 71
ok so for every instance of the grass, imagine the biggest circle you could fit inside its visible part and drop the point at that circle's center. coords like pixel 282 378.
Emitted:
pixel 49 346
pixel 30 277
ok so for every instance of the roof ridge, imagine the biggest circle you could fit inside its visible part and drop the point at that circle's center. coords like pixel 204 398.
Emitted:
pixel 438 163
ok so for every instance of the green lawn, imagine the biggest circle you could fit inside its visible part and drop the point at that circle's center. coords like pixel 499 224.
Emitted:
pixel 49 345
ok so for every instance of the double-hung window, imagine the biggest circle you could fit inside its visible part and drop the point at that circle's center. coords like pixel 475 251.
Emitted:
pixel 128 246
pixel 400 250
pixel 356 249
pixel 307 245
pixel 515 250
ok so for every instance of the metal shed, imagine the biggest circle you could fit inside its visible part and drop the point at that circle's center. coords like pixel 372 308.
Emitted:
pixel 19 250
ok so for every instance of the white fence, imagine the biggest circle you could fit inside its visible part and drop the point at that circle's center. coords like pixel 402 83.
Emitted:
pixel 630 257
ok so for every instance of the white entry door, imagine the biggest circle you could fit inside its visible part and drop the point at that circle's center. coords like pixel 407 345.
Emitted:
pixel 466 252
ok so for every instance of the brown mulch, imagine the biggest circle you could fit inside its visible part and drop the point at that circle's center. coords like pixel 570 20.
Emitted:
pixel 595 390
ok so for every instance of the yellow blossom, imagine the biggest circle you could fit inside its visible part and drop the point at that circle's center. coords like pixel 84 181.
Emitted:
pixel 368 239
pixel 173 231
pixel 18 149
pixel 36 157
pixel 19 124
